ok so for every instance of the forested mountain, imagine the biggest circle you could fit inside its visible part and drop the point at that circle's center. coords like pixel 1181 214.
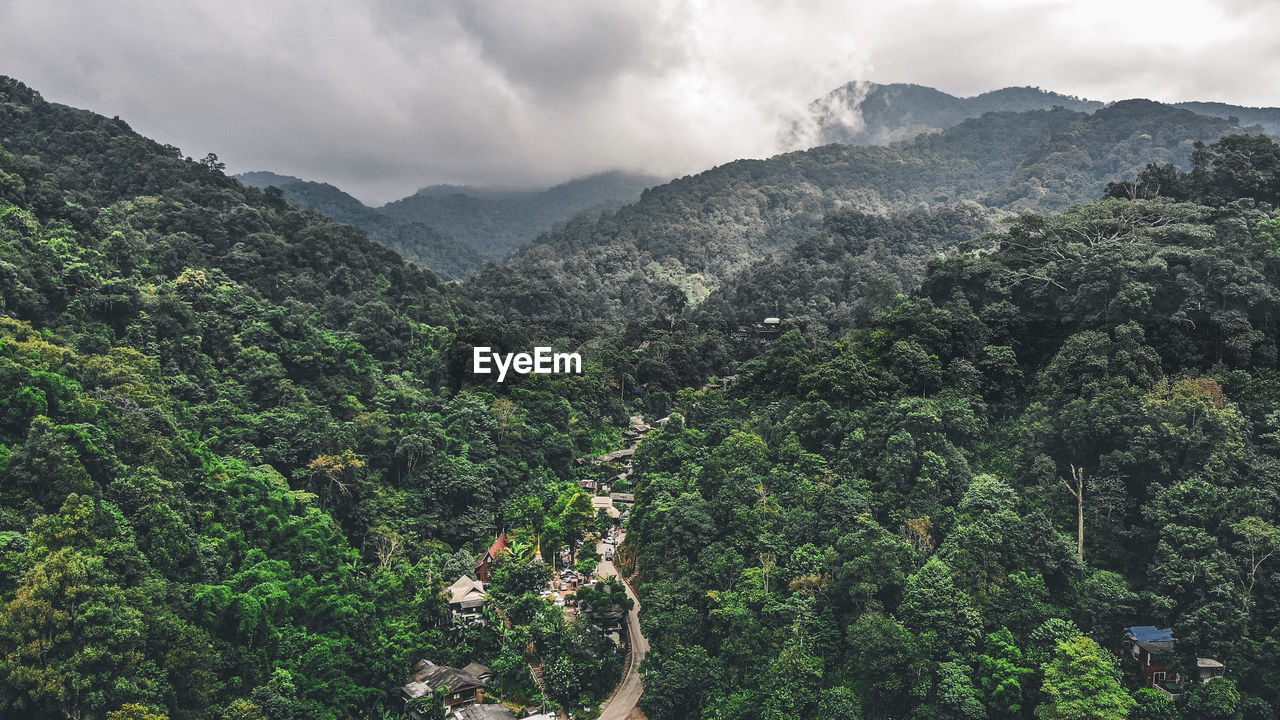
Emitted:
pixel 240 459
pixel 430 248
pixel 848 272
pixel 453 230
pixel 1268 118
pixel 865 113
pixel 955 510
pixel 686 237
pixel 495 222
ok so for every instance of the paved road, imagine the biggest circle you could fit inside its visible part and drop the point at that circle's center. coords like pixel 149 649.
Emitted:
pixel 621 705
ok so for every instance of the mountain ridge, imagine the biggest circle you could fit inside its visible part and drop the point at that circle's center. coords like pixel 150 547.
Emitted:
pixel 427 246
pixel 868 113
pixel 695 231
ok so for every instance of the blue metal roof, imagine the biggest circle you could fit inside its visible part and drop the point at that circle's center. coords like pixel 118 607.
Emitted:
pixel 1150 633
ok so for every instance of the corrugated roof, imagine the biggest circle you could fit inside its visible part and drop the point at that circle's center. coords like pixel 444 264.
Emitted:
pixel 428 676
pixel 489 711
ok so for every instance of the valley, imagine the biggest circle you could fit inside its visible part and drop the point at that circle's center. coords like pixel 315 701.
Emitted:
pixel 971 413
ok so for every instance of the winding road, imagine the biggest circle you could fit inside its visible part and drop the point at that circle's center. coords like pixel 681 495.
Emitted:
pixel 621 705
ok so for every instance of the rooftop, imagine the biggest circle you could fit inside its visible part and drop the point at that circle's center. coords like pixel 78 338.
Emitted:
pixel 500 543
pixel 1150 633
pixel 466 592
pixel 428 676
pixel 1152 638
pixel 484 712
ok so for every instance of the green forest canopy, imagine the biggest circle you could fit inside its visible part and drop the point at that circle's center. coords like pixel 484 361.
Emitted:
pixel 240 458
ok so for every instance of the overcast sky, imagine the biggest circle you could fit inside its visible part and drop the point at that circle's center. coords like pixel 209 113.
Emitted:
pixel 381 97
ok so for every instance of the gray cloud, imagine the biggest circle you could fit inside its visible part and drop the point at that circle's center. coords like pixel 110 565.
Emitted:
pixel 383 96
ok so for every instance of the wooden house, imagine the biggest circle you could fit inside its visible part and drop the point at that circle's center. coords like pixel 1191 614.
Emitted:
pixel 466 597
pixel 484 566
pixel 461 687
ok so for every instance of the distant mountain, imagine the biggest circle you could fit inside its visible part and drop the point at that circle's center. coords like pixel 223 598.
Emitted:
pixel 863 113
pixel 1268 118
pixel 495 222
pixel 692 234
pixel 446 256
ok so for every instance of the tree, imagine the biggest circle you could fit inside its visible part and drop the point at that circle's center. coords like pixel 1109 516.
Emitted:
pixel 1076 487
pixel 938 612
pixel 888 658
pixel 210 161
pixel 675 684
pixel 1215 700
pixel 1153 705
pixel 1001 675
pixel 1082 682
pixel 134 711
pixel 70 639
pixel 1259 541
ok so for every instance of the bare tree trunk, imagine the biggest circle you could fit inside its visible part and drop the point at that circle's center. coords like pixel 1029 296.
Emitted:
pixel 1077 477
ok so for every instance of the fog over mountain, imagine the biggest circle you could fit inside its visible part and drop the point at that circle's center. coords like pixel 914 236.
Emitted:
pixel 899 402
pixel 383 97
pixel 455 229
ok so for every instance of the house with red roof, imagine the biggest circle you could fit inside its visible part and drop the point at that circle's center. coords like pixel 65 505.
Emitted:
pixel 484 566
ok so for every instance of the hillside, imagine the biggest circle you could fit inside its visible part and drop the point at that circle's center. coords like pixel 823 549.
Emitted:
pixel 495 222
pixel 848 271
pixel 864 113
pixel 430 248
pixel 1267 118
pixel 240 456
pixel 959 508
pixel 695 232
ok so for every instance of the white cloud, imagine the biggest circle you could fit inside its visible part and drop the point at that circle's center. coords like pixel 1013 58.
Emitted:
pixel 381 97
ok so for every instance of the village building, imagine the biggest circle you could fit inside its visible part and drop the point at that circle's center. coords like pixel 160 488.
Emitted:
pixel 617 455
pixel 771 327
pixel 1151 649
pixel 466 598
pixel 461 687
pixel 490 711
pixel 484 566
pixel 605 503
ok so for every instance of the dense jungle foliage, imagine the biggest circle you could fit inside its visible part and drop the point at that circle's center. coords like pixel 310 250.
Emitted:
pixel 447 257
pixel 240 456
pixel 885 525
pixel 697 232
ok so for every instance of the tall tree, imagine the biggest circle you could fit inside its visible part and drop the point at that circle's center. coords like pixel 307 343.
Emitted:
pixel 1082 682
